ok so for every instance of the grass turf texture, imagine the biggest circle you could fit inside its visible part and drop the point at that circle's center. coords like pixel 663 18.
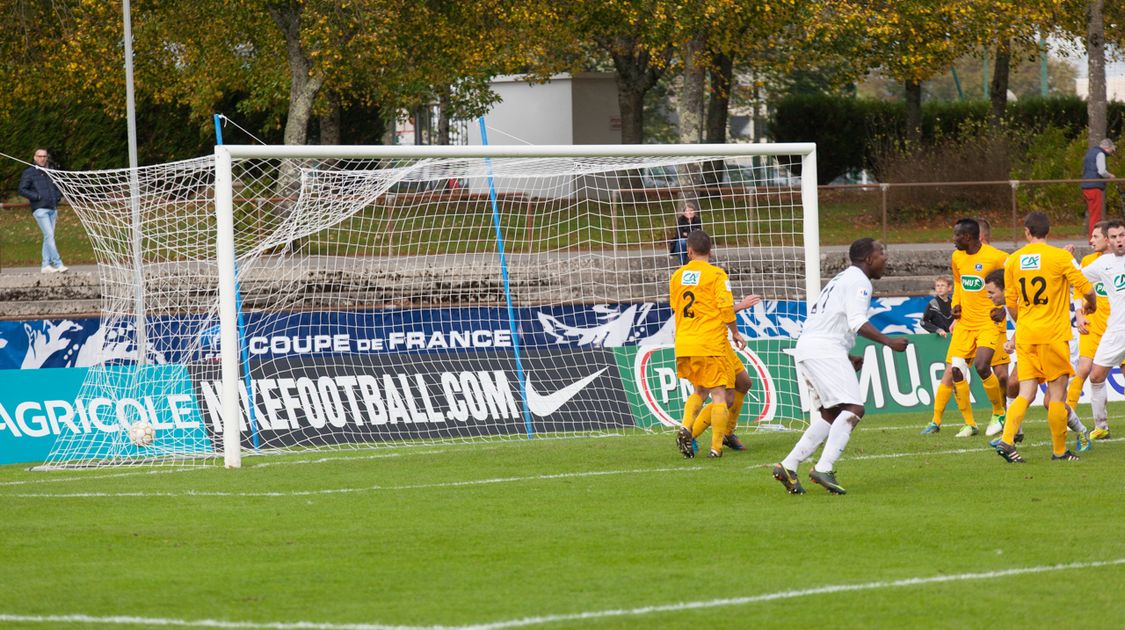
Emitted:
pixel 496 532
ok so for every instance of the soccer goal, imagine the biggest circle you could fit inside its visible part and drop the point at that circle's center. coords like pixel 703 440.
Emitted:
pixel 276 298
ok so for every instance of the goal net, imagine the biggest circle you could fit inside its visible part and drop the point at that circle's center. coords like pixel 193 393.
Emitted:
pixel 278 298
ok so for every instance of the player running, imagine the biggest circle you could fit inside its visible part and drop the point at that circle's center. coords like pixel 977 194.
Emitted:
pixel 1037 279
pixel 830 372
pixel 704 310
pixel 1107 272
pixel 975 336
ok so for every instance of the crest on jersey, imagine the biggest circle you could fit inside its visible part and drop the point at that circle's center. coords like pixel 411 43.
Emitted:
pixel 972 283
pixel 690 278
pixel 978 266
pixel 1029 261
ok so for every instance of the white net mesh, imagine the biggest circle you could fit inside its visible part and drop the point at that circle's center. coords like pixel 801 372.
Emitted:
pixel 374 305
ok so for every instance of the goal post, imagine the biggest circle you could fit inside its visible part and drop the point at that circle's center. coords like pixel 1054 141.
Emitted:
pixel 326 297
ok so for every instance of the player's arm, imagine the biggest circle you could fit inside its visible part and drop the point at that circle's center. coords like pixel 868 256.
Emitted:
pixel 1011 295
pixel 749 301
pixel 898 344
pixel 1081 284
pixel 725 301
pixel 955 303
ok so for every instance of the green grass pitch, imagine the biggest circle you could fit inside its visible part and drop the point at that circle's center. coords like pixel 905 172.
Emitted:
pixel 616 532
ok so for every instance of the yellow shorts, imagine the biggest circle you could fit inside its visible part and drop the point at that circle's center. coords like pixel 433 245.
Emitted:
pixel 994 337
pixel 1088 344
pixel 1046 361
pixel 706 371
pixel 735 362
pixel 964 342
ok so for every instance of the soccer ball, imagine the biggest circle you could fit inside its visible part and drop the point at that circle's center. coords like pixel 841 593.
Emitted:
pixel 141 433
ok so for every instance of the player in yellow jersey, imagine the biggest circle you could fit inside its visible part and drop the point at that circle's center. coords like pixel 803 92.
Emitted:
pixel 1091 328
pixel 1001 360
pixel 1037 284
pixel 703 306
pixel 975 336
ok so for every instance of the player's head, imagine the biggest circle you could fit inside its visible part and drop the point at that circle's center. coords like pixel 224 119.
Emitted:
pixel 868 254
pixel 1115 236
pixel 699 245
pixel 1036 225
pixel 942 285
pixel 1099 236
pixel 985 230
pixel 966 233
pixel 994 284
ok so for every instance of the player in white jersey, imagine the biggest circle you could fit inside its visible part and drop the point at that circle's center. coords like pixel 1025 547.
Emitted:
pixel 824 364
pixel 1108 269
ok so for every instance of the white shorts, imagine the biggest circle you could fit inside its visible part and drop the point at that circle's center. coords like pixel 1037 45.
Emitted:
pixel 831 381
pixel 1111 349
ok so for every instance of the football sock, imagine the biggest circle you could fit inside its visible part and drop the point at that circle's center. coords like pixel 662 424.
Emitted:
pixel 691 409
pixel 1016 411
pixel 702 421
pixel 1097 404
pixel 941 399
pixel 1074 391
pixel 1073 421
pixel 838 437
pixel 735 411
pixel 809 442
pixel 1056 420
pixel 718 426
pixel 964 404
pixel 995 396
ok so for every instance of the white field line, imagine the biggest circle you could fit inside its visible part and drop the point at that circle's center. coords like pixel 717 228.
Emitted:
pixel 474 482
pixel 570 617
pixel 343 456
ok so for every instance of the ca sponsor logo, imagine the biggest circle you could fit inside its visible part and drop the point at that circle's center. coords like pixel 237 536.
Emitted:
pixel 1119 282
pixel 972 283
pixel 690 278
pixel 664 393
pixel 1029 261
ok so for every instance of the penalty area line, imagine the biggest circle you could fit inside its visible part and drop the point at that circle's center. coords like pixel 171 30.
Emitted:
pixel 568 617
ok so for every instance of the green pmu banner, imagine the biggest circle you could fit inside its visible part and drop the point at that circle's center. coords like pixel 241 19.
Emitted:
pixel 890 381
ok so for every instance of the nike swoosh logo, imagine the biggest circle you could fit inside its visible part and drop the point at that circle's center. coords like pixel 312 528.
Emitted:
pixel 541 405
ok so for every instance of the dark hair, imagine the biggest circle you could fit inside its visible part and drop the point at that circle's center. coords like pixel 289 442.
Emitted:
pixel 1104 227
pixel 861 249
pixel 996 276
pixel 699 242
pixel 1112 223
pixel 969 226
pixel 985 228
pixel 1038 224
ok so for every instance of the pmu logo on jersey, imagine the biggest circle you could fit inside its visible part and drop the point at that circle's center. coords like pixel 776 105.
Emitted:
pixel 664 393
pixel 972 283
pixel 1099 289
pixel 1029 261
pixel 690 278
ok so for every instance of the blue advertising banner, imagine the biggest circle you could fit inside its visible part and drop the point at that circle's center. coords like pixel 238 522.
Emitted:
pixel 87 413
pixel 90 342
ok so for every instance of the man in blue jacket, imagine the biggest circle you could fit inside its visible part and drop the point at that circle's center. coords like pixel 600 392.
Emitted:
pixel 44 197
pixel 1093 167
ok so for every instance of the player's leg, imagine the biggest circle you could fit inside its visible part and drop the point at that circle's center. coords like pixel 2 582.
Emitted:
pixel 1056 418
pixel 741 386
pixel 1030 370
pixel 720 423
pixel 1110 352
pixel 958 347
pixel 824 473
pixel 785 471
pixel 995 423
pixel 1081 373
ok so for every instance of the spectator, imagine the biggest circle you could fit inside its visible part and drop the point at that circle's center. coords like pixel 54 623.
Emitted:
pixel 938 317
pixel 686 223
pixel 44 197
pixel 1093 167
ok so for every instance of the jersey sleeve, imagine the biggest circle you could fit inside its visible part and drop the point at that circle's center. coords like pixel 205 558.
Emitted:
pixel 857 303
pixel 724 298
pixel 1011 295
pixel 1076 276
pixel 956 300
